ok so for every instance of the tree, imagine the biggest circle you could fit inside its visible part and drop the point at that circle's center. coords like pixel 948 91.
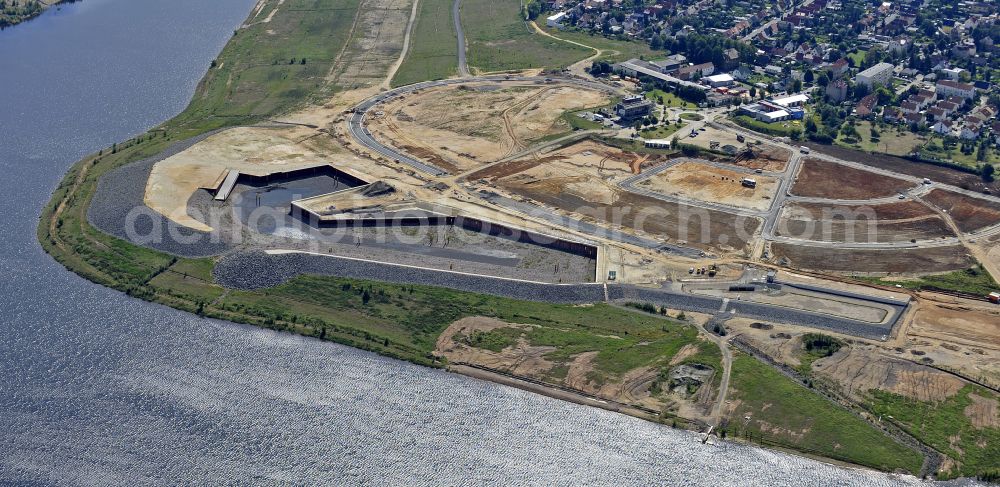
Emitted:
pixel 753 92
pixel 987 172
pixel 809 77
pixel 811 126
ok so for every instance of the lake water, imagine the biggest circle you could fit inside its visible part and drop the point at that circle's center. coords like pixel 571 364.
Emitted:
pixel 99 388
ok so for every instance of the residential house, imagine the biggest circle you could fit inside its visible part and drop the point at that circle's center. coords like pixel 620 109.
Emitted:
pixel 866 107
pixel 837 90
pixel 946 88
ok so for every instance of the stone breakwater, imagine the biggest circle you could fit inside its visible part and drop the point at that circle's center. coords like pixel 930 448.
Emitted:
pixel 118 208
pixel 256 270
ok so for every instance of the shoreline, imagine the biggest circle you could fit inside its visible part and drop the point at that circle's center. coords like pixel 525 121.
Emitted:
pixel 74 194
pixel 44 7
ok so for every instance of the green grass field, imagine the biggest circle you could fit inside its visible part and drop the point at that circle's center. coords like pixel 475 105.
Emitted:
pixel 891 140
pixel 660 131
pixel 946 426
pixel 433 50
pixel 670 99
pixel 613 50
pixel 779 129
pixel 500 40
pixel 260 72
pixel 786 413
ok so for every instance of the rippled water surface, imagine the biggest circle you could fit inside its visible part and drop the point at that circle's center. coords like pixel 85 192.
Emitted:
pixel 98 388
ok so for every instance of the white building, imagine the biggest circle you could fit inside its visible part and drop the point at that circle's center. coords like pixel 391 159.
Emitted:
pixel 555 21
pixel 879 74
pixel 718 80
pixel 791 100
pixel 946 88
pixel 657 143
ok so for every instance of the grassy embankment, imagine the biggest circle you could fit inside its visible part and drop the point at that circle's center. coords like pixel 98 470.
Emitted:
pixel 786 414
pixel 499 39
pixel 949 426
pixel 433 50
pixel 623 340
pixel 974 280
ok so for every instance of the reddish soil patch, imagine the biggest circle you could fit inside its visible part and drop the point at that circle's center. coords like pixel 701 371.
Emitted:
pixel 891 211
pixel 429 156
pixel 905 166
pixel 698 227
pixel 968 213
pixel 823 179
pixel 862 231
pixel 925 260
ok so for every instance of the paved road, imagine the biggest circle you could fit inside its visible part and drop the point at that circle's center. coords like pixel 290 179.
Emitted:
pixel 456 14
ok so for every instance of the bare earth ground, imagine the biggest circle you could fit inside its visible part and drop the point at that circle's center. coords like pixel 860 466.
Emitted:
pixel 702 182
pixel 823 179
pixel 904 166
pixel 873 261
pixel 462 127
pixel 768 157
pixel 586 169
pixel 968 213
pixel 855 369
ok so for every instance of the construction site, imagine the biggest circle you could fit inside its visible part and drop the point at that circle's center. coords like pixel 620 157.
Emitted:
pixel 484 184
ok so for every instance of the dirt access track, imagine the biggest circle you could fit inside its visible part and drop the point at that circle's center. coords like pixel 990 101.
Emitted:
pixel 708 183
pixel 823 179
pixel 461 127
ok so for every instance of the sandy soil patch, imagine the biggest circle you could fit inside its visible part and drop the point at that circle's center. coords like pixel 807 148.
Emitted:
pixel 586 169
pixel 767 157
pixel 468 125
pixel 250 150
pixel 704 182
pixel 978 326
pixel 983 412
pixel 859 369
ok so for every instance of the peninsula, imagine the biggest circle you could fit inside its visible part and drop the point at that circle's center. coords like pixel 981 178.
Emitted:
pixel 558 206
